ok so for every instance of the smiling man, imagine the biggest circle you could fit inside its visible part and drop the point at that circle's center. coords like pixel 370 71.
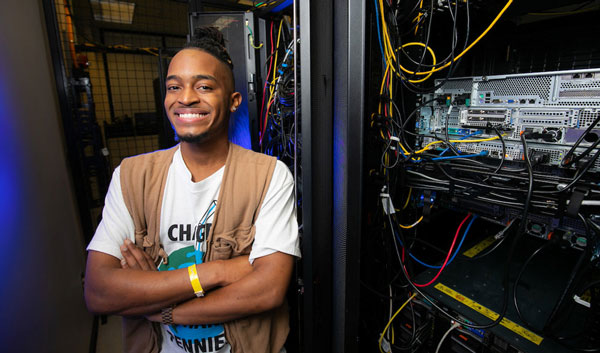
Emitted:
pixel 197 243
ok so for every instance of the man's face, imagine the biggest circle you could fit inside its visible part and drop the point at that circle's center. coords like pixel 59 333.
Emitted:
pixel 199 96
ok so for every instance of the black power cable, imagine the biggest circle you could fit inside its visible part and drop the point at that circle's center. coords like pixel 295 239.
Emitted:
pixel 585 255
pixel 508 262
pixel 568 158
pixel 545 245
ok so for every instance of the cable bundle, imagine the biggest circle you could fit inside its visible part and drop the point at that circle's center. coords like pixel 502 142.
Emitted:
pixel 278 125
pixel 430 171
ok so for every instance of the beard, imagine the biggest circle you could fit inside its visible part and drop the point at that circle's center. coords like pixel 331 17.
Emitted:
pixel 191 138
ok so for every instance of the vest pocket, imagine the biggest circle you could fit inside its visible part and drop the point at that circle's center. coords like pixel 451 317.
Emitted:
pixel 233 243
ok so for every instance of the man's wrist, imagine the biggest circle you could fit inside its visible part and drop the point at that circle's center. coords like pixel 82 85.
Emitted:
pixel 167 315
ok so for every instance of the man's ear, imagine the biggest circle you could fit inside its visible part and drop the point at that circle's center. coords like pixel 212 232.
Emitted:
pixel 236 100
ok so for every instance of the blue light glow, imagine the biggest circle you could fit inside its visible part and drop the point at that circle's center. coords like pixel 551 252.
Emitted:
pixel 239 126
pixel 282 6
pixel 12 209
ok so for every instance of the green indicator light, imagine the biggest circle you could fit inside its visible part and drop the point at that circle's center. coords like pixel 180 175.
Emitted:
pixel 481 96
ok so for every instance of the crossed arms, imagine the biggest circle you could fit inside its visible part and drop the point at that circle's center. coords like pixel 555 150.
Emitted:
pixel 133 287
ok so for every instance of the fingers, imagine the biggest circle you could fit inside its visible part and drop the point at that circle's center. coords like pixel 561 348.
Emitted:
pixel 149 261
pixel 129 259
pixel 135 258
pixel 156 317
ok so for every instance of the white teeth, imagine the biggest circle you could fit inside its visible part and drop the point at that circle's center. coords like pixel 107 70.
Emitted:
pixel 191 115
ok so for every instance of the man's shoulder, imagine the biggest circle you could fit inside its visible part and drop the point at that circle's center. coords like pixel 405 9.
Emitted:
pixel 151 157
pixel 147 164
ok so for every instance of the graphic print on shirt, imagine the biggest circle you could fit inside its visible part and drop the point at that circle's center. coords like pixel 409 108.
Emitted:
pixel 193 338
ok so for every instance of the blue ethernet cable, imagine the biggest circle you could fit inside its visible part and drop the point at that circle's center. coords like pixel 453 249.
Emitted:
pixel 455 252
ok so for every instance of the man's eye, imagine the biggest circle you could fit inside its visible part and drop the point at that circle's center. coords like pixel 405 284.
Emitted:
pixel 172 88
pixel 204 88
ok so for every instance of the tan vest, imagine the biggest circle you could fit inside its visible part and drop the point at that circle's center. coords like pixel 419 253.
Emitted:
pixel 245 183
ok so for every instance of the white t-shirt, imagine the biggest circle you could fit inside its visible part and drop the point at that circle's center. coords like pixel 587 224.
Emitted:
pixel 186 216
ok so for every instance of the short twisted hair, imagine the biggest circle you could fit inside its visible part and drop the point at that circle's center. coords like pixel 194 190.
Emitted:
pixel 210 40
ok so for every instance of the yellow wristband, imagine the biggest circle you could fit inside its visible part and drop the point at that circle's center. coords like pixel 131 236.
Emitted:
pixel 195 281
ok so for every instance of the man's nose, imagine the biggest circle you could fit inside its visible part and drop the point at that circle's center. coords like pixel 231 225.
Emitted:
pixel 188 96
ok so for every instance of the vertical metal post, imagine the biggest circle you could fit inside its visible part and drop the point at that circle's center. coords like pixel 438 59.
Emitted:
pixel 295 38
pixel 316 69
pixel 307 339
pixel 111 106
pixel 348 115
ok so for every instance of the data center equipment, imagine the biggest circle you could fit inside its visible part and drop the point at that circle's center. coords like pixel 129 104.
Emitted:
pixel 493 120
pixel 472 291
pixel 471 127
pixel 279 127
pixel 555 109
pixel 513 150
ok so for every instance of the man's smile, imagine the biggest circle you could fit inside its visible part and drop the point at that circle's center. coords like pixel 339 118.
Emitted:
pixel 190 114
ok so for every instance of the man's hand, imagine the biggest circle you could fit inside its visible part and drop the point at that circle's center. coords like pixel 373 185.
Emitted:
pixel 264 288
pixel 156 317
pixel 135 258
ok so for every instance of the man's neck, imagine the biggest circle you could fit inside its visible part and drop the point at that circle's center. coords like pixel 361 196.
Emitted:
pixel 204 159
